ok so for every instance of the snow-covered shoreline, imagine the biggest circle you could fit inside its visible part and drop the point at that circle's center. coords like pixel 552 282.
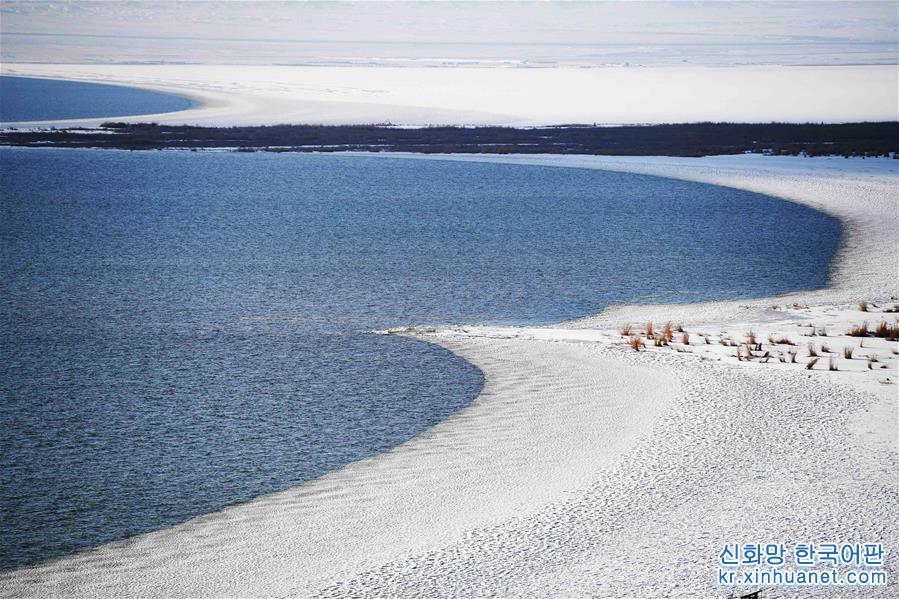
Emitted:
pixel 584 467
pixel 419 96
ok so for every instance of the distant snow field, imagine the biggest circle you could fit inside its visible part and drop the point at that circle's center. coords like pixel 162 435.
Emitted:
pixel 258 95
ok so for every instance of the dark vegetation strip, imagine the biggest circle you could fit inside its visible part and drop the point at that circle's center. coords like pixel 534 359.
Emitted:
pixel 694 139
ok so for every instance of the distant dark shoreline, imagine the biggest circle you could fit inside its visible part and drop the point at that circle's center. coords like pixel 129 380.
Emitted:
pixel 693 139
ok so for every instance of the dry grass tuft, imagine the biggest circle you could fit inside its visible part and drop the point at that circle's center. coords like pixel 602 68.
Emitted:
pixel 832 365
pixel 863 306
pixel 685 338
pixel 847 352
pixel 792 354
pixel 811 350
pixel 750 337
pixel 859 330
pixel 625 331
pixel 636 343
pixel 825 349
pixel 887 331
pixel 822 331
pixel 811 363
pixel 667 332
pixel 648 330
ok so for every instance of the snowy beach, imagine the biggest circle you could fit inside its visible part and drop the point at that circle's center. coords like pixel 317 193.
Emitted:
pixel 585 467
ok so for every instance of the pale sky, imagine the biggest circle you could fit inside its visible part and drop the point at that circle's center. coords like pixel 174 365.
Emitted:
pixel 451 33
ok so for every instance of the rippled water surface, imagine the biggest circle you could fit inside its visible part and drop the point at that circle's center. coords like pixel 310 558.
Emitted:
pixel 29 99
pixel 183 331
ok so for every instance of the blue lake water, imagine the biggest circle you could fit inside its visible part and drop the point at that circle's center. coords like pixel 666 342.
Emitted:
pixel 30 99
pixel 182 331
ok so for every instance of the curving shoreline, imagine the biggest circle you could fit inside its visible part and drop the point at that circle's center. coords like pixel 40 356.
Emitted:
pixel 577 447
pixel 201 102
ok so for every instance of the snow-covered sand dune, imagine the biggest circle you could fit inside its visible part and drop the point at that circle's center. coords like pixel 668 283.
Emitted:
pixel 258 95
pixel 585 468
